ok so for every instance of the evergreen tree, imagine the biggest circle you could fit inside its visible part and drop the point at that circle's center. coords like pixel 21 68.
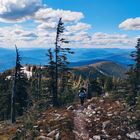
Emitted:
pixel 133 77
pixel 94 87
pixel 137 65
pixel 5 95
pixel 19 98
pixel 58 62
pixel 51 74
pixel 108 86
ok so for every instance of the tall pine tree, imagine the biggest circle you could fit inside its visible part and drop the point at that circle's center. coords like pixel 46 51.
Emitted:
pixel 19 98
pixel 133 77
pixel 58 62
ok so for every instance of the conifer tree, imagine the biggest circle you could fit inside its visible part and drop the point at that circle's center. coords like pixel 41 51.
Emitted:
pixel 133 77
pixel 108 86
pixel 13 97
pixel 58 62
pixel 51 73
pixel 19 92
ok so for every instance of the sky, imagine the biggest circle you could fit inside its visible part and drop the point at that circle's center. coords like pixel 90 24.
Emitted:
pixel 88 23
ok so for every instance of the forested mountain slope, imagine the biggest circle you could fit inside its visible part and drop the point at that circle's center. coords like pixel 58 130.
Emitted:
pixel 106 68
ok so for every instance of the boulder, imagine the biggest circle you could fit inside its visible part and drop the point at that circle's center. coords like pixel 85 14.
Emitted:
pixel 134 135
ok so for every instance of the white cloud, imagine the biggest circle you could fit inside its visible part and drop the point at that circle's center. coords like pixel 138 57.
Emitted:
pixel 112 40
pixel 18 10
pixel 78 27
pixel 131 24
pixel 43 31
pixel 49 14
pixel 101 40
pixel 47 26
pixel 17 35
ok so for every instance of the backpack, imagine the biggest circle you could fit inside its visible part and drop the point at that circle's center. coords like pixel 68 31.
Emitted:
pixel 82 94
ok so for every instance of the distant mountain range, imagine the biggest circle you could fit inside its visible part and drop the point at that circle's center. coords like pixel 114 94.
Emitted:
pixel 105 68
pixel 82 56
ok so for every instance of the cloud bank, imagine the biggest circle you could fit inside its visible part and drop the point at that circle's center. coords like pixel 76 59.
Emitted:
pixel 131 24
pixel 42 22
pixel 18 10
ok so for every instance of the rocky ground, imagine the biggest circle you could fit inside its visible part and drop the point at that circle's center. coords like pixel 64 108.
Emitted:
pixel 103 119
pixel 98 119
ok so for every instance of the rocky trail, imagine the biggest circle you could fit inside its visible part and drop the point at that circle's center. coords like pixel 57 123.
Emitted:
pixel 99 119
pixel 81 133
pixel 104 119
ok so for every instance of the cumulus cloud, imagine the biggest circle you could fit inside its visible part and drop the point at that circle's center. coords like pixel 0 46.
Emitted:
pixel 112 40
pixel 78 27
pixel 49 14
pixel 18 10
pixel 102 40
pixel 43 31
pixel 131 24
pixel 17 35
pixel 25 38
pixel 47 26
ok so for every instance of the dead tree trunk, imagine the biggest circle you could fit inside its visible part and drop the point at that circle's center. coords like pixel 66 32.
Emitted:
pixel 13 110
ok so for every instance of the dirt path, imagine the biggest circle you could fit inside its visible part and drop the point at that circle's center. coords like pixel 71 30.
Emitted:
pixel 81 133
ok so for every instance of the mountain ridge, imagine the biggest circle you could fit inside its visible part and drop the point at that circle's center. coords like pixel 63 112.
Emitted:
pixel 81 57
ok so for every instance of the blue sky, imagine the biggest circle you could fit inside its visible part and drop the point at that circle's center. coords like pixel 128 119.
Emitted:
pixel 104 15
pixel 88 23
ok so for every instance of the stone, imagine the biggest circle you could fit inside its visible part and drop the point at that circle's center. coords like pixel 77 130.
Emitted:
pixel 117 102
pixel 52 134
pixel 115 113
pixel 41 138
pixel 41 131
pixel 128 117
pixel 119 137
pixel 97 119
pixel 109 114
pixel 57 136
pixel 90 115
pixel 134 135
pixel 36 126
pixel 105 124
pixel 98 112
pixel 70 108
pixel 93 112
pixel 44 138
pixel 101 101
pixel 96 137
pixel 90 107
pixel 106 94
pixel 88 120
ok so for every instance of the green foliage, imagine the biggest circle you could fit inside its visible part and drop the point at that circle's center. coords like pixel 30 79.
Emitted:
pixel 137 123
pixel 5 95
pixel 95 88
pixel 138 101
pixel 133 77
pixel 58 65
pixel 66 97
pixel 108 84
pixel 20 84
pixel 29 119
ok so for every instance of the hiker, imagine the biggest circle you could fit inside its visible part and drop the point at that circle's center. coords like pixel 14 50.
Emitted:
pixel 82 95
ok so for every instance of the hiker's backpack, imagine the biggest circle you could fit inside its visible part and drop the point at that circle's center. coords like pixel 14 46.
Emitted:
pixel 82 95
